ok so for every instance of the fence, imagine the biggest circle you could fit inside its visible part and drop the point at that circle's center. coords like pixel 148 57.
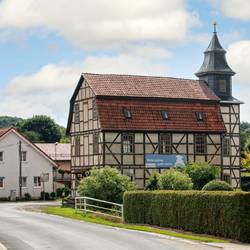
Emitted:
pixel 88 204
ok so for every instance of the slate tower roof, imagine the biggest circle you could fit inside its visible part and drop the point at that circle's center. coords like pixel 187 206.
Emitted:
pixel 215 59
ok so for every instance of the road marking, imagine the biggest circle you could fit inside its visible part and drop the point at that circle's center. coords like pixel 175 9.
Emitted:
pixel 2 247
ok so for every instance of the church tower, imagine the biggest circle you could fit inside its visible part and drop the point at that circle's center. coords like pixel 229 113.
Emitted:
pixel 216 72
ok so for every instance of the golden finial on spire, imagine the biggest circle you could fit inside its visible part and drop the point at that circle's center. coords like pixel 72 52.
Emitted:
pixel 214 24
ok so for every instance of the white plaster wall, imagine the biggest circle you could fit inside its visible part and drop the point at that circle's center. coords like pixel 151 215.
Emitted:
pixel 35 165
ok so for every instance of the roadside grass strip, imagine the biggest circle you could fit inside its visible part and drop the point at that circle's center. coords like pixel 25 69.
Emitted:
pixel 70 213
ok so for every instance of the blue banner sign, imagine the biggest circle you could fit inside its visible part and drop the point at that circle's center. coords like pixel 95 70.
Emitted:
pixel 165 161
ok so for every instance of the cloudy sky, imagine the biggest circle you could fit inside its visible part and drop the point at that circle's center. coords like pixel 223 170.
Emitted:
pixel 45 45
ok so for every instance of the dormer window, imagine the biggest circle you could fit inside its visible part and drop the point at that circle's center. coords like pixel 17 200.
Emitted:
pixel 164 114
pixel 127 114
pixel 199 116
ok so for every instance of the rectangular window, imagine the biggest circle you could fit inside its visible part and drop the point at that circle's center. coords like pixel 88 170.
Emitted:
pixel 77 113
pixel 127 143
pixel 24 155
pixel 94 110
pixel 95 144
pixel 1 156
pixel 200 144
pixel 77 146
pixel 24 181
pixel 226 178
pixel 222 86
pixel 37 181
pixel 165 144
pixel 1 182
pixel 226 146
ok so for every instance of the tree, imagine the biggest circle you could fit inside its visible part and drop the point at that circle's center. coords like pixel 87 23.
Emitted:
pixel 152 182
pixel 8 121
pixel 201 173
pixel 244 137
pixel 106 184
pixel 245 162
pixel 174 180
pixel 65 138
pixel 40 128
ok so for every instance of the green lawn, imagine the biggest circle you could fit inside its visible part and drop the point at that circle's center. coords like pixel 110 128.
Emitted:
pixel 70 213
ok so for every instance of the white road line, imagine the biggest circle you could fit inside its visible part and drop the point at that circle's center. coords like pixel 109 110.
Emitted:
pixel 2 247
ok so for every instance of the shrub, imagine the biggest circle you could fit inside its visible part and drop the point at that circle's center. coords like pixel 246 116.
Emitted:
pixel 53 195
pixel 105 184
pixel 174 180
pixel 223 214
pixel 152 182
pixel 217 185
pixel 27 197
pixel 63 192
pixel 201 173
pixel 44 194
pixel 245 183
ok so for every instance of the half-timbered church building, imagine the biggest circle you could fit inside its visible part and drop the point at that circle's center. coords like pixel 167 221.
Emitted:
pixel 141 124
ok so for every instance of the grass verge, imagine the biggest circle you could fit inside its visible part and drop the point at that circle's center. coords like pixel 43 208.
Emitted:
pixel 70 213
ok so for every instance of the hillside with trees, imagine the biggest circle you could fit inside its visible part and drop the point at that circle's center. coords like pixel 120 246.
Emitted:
pixel 8 121
pixel 39 128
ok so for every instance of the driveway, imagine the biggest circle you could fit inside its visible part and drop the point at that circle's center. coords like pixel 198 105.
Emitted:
pixel 21 229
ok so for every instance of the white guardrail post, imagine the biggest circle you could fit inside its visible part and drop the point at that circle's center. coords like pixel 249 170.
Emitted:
pixel 81 203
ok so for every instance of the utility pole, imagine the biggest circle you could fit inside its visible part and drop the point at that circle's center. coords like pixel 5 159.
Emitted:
pixel 20 170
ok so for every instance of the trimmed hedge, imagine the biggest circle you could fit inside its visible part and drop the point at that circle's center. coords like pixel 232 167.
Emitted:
pixel 217 213
pixel 217 185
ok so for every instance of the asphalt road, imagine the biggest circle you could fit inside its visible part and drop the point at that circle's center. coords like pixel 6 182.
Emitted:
pixel 21 229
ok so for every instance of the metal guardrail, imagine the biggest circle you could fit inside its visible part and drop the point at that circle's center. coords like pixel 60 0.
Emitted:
pixel 82 204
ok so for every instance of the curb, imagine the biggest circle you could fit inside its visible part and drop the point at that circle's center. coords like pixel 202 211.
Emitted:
pixel 2 247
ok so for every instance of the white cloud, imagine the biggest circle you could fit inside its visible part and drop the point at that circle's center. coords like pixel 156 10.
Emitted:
pixel 238 57
pixel 48 91
pixel 238 9
pixel 101 23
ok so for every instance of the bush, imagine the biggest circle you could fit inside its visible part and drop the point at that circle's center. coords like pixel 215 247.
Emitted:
pixel 27 197
pixel 224 214
pixel 174 180
pixel 152 182
pixel 46 194
pixel 63 192
pixel 201 173
pixel 106 184
pixel 53 195
pixel 245 183
pixel 217 185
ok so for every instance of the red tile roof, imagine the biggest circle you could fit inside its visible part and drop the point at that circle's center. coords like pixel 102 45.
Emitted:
pixel 146 116
pixel 4 131
pixel 59 152
pixel 148 86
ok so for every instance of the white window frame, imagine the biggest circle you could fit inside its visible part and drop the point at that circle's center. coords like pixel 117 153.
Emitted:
pixel 128 141
pixel 36 182
pixel 24 153
pixel 26 181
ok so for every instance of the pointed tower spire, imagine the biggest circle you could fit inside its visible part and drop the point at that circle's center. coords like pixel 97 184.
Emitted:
pixel 214 24
pixel 215 59
pixel 215 69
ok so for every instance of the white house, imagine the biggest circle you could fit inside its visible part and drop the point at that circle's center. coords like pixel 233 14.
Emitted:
pixel 34 165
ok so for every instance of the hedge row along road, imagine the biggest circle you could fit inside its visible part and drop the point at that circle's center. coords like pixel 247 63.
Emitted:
pixel 219 213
